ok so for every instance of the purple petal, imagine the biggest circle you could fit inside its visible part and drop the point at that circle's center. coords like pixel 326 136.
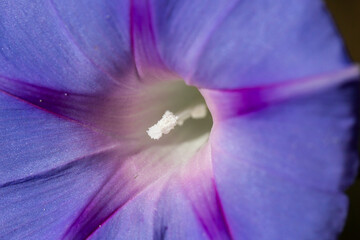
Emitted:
pixel 72 46
pixel 281 170
pixel 227 44
pixel 101 31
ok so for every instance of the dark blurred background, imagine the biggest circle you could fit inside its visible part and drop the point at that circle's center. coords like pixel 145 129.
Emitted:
pixel 347 16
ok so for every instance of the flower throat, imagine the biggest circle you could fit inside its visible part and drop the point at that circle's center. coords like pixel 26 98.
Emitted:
pixel 184 105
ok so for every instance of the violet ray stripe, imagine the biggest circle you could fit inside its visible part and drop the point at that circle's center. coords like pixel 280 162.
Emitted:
pixel 57 170
pixel 58 103
pixel 141 31
pixel 252 99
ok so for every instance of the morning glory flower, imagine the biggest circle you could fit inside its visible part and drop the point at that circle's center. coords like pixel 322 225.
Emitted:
pixel 166 119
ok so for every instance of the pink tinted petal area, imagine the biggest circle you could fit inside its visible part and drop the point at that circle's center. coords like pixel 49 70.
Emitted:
pixel 132 175
pixel 281 169
pixel 183 206
pixel 160 212
pixel 199 185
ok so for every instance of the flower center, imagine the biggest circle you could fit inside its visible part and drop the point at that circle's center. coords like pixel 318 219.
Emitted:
pixel 175 110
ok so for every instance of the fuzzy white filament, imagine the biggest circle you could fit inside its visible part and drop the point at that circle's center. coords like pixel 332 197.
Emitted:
pixel 169 120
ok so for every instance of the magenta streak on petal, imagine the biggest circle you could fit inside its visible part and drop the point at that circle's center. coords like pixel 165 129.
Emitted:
pixel 61 104
pixel 200 188
pixel 132 175
pixel 143 39
pixel 95 112
pixel 157 185
pixel 48 184
pixel 229 103
pixel 104 151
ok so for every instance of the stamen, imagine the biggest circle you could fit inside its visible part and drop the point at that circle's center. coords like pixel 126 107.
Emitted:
pixel 163 126
pixel 169 120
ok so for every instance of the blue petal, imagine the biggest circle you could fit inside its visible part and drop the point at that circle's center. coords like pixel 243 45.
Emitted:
pixel 228 44
pixel 50 166
pixel 78 46
pixel 133 221
pixel 281 170
pixel 43 206
pixel 33 140
pixel 101 31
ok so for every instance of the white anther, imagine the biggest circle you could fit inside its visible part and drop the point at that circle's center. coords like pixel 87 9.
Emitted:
pixel 170 120
pixel 163 126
